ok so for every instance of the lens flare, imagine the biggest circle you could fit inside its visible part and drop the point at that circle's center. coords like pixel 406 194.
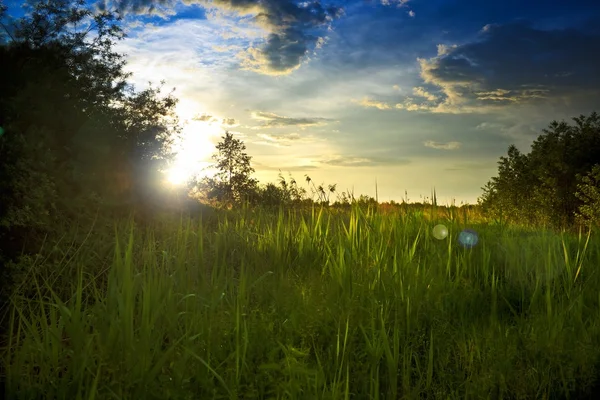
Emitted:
pixel 468 238
pixel 440 232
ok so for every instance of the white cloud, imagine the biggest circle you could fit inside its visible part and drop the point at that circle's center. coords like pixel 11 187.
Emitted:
pixel 419 91
pixel 366 102
pixel 442 146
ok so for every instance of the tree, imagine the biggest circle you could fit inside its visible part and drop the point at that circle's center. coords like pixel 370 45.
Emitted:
pixel 74 128
pixel 541 186
pixel 233 182
pixel 56 81
pixel 509 194
pixel 59 61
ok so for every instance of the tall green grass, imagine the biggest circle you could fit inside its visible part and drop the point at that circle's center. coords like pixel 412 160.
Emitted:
pixel 310 304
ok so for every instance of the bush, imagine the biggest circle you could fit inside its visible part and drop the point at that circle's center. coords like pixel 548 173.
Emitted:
pixel 588 191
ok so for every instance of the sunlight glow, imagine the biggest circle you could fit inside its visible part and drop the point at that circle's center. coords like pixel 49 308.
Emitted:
pixel 194 147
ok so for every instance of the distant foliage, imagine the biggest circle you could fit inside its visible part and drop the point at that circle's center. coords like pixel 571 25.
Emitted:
pixel 286 193
pixel 540 187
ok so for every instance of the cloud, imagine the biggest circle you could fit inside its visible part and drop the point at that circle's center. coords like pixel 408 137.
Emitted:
pixel 229 122
pixel 271 120
pixel 514 64
pixel 279 140
pixel 408 103
pixel 178 54
pixel 203 118
pixel 522 132
pixel 292 27
pixel 489 125
pixel 398 3
pixel 368 103
pixel 284 137
pixel 226 49
pixel 443 49
pixel 160 8
pixel 442 146
pixel 286 168
pixel 351 161
pixel 419 91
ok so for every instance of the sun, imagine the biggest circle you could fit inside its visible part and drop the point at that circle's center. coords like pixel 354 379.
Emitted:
pixel 193 148
pixel 177 176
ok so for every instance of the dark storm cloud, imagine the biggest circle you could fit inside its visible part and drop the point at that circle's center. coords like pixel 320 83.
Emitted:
pixel 291 25
pixel 292 28
pixel 515 64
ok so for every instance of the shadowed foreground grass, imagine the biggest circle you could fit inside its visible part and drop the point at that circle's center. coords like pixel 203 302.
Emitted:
pixel 309 306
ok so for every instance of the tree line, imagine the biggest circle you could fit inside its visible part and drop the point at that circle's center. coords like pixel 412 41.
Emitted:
pixel 556 185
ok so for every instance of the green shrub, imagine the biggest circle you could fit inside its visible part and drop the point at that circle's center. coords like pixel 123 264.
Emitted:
pixel 588 191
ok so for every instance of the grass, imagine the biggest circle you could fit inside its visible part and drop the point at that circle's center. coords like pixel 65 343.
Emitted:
pixel 308 305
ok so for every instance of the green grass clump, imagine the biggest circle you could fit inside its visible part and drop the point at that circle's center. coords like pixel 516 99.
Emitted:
pixel 308 305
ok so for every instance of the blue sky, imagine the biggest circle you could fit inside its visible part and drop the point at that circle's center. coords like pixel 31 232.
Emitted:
pixel 413 94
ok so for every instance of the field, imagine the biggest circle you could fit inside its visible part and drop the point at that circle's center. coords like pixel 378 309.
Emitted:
pixel 313 304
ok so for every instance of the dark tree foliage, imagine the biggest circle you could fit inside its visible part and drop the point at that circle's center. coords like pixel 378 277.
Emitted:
pixel 63 78
pixel 540 187
pixel 78 139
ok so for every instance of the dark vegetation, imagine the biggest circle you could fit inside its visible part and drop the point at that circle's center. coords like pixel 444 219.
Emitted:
pixel 81 154
pixel 556 184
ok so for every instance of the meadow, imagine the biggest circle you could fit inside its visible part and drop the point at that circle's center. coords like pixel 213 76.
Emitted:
pixel 313 304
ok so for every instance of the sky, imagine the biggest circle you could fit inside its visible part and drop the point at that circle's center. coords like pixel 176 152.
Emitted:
pixel 408 94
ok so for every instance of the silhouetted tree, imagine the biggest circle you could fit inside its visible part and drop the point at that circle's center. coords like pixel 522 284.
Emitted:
pixel 75 130
pixel 540 187
pixel 232 183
